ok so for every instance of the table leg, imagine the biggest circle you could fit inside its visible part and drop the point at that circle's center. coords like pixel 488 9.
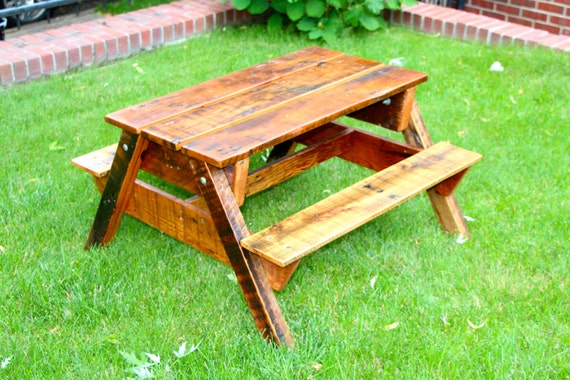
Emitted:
pixel 118 189
pixel 446 207
pixel 248 267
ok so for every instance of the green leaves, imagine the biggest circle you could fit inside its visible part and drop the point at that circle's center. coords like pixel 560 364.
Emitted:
pixel 323 19
pixel 374 6
pixel 371 22
pixel 296 10
pixel 241 4
pixel 315 8
pixel 258 6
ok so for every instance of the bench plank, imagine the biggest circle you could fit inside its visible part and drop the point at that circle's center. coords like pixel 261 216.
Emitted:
pixel 97 163
pixel 310 229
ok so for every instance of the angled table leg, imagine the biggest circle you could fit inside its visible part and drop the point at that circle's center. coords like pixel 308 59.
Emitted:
pixel 118 189
pixel 248 267
pixel 446 207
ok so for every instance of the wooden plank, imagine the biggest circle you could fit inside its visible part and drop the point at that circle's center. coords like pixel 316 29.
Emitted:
pixel 237 177
pixel 170 166
pixel 249 268
pixel 118 189
pixel 445 205
pixel 97 163
pixel 376 152
pixel 139 116
pixel 188 221
pixel 308 230
pixel 393 113
pixel 296 163
pixel 178 218
pixel 209 118
pixel 293 119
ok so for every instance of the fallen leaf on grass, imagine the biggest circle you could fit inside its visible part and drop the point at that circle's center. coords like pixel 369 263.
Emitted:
pixel 132 359
pixel 474 326
pixel 54 146
pixel 317 366
pixel 461 239
pixel 397 61
pixel 373 282
pixel 153 357
pixel 138 68
pixel 2 249
pixel 391 326
pixel 183 351
pixel 5 362
pixel 497 67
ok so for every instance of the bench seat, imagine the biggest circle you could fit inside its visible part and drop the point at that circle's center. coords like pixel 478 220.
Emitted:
pixel 325 221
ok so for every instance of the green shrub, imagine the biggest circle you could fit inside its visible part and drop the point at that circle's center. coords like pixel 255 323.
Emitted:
pixel 323 19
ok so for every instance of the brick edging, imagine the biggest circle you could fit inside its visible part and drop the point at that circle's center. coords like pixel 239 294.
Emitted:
pixel 453 23
pixel 58 50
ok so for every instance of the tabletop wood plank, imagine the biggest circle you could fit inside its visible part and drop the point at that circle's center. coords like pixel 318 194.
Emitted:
pixel 293 119
pixel 249 104
pixel 139 116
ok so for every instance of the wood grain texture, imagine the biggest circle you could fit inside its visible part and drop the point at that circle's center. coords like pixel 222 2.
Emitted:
pixel 249 268
pixel 310 229
pixel 222 114
pixel 446 207
pixel 97 163
pixel 291 165
pixel 289 120
pixel 118 189
pixel 138 117
pixel 393 113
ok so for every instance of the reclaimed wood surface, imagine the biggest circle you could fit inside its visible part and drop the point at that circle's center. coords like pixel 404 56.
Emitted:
pixel 97 163
pixel 246 105
pixel 310 229
pixel 444 202
pixel 118 190
pixel 392 113
pixel 139 116
pixel 289 119
pixel 249 268
pixel 227 119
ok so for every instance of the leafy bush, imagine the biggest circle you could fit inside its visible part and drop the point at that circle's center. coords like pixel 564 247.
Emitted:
pixel 323 19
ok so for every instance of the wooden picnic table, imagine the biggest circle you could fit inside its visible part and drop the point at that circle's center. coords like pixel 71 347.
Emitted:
pixel 201 138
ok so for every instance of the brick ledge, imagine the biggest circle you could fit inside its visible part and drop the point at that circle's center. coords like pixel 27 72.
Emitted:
pixel 58 50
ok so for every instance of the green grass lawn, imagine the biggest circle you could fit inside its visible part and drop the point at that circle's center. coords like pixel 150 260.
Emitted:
pixel 397 298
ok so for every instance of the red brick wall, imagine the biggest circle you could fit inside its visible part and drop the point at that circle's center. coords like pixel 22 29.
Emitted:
pixel 550 15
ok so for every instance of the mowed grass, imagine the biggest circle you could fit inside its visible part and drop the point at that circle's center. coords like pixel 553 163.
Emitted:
pixel 397 298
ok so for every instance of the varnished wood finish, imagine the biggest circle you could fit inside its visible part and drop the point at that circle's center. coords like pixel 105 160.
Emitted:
pixel 392 113
pixel 248 268
pixel 140 116
pixel 446 208
pixel 200 139
pixel 118 189
pixel 291 119
pixel 310 229
pixel 97 163
pixel 296 163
